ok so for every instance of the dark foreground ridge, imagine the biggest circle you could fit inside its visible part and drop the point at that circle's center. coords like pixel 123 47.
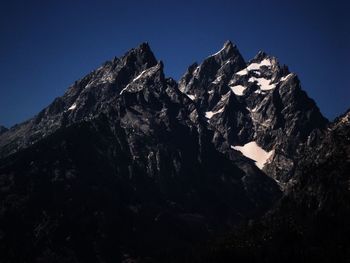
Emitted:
pixel 231 163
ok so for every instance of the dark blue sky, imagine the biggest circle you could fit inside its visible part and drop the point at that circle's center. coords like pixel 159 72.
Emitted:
pixel 47 45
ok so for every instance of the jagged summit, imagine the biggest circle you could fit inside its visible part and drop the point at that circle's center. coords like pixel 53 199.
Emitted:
pixel 146 54
pixel 143 49
pixel 227 51
pixel 129 161
pixel 268 104
pixel 264 99
pixel 140 56
pixel 260 56
pixel 215 69
pixel 229 44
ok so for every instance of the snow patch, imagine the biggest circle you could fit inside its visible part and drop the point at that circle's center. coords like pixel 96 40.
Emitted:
pixel 259 91
pixel 121 92
pixel 264 84
pixel 253 151
pixel 73 106
pixel 238 89
pixel 242 72
pixel 218 79
pixel 255 109
pixel 254 66
pixel 192 97
pixel 195 72
pixel 210 114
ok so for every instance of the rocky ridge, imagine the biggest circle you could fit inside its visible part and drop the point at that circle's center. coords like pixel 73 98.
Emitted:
pixel 132 158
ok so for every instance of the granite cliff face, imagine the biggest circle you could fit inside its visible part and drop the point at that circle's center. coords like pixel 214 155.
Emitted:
pixel 131 164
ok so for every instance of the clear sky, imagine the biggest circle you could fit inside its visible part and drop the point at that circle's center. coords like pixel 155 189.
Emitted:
pixel 46 45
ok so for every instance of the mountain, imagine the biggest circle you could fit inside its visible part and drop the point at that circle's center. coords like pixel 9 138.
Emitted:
pixel 129 165
pixel 310 222
pixel 82 101
pixel 256 103
pixel 122 158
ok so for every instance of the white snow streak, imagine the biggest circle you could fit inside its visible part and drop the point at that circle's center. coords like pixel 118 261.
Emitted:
pixel 136 78
pixel 192 97
pixel 72 107
pixel 218 51
pixel 210 114
pixel 286 77
pixel 218 79
pixel 139 76
pixel 121 92
pixel 211 91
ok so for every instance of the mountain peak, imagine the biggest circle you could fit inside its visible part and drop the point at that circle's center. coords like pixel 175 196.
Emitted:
pixel 227 51
pixel 229 44
pixel 139 153
pixel 144 47
pixel 141 55
pixel 261 55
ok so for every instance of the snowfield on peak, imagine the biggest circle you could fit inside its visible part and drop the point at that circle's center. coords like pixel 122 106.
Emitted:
pixel 238 89
pixel 264 84
pixel 253 151
pixel 257 66
pixel 254 66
